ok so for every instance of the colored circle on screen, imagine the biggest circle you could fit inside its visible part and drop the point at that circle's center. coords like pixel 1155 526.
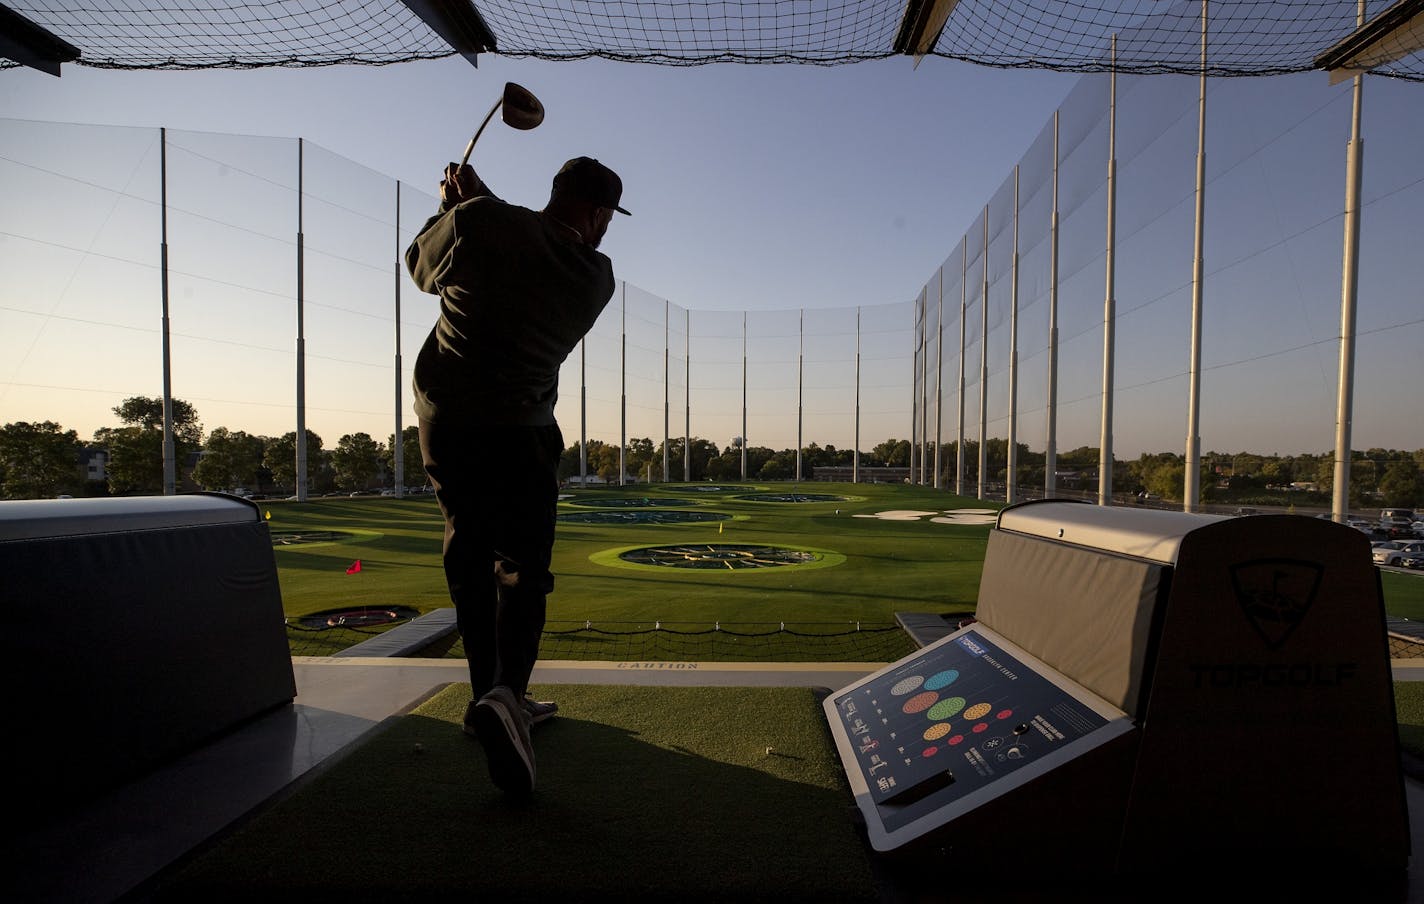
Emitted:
pixel 946 708
pixel 977 711
pixel 929 751
pixel 920 702
pixel 956 740
pixel 1003 714
pixel 941 680
pixel 982 726
pixel 937 731
pixel 906 685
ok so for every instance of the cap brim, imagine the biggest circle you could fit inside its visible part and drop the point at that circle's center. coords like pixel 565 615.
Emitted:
pixel 622 211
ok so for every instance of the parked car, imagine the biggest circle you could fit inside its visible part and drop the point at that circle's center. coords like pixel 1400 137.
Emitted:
pixel 1397 522
pixel 1391 551
pixel 1415 561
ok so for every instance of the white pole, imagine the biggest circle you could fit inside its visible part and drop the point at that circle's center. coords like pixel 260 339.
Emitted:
pixel 1349 289
pixel 939 382
pixel 744 395
pixel 583 412
pixel 399 450
pixel 855 455
pixel 984 364
pixel 963 322
pixel 301 342
pixel 800 381
pixel 1191 478
pixel 923 423
pixel 623 391
pixel 667 392
pixel 1105 454
pixel 1050 453
pixel 1011 478
pixel 170 452
pixel 687 395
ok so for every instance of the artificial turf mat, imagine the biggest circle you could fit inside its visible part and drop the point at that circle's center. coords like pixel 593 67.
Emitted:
pixel 672 793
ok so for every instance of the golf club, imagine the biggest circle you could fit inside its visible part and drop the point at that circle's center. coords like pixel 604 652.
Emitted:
pixel 521 110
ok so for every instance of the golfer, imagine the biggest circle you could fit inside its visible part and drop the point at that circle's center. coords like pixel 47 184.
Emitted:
pixel 518 290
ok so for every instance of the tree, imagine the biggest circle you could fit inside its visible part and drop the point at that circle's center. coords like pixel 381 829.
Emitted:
pixel 639 456
pixel 281 458
pixel 230 459
pixel 136 449
pixel 703 451
pixel 37 460
pixel 355 460
pixel 411 459
pixel 1401 483
pixel 893 453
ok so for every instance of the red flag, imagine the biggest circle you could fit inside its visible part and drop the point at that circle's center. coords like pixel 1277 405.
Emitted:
pixel 354 567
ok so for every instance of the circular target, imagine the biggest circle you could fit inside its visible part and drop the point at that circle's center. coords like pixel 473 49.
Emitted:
pixel 792 497
pixel 719 556
pixel 352 617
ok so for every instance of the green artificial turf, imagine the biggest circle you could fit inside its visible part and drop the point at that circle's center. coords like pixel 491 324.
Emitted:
pixel 644 793
pixel 1409 712
pixel 888 567
pixel 1404 594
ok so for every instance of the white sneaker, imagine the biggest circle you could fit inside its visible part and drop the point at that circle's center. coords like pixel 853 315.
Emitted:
pixel 502 727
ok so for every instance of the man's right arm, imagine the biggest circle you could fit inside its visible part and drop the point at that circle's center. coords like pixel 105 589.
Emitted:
pixel 428 257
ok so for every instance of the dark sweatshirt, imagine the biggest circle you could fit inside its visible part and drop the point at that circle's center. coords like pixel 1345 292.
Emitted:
pixel 516 295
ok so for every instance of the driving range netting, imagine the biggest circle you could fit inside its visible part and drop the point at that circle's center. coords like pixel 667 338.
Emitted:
pixel 1245 37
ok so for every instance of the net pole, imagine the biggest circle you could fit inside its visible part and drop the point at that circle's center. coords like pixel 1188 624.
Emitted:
pixel 583 412
pixel 1349 290
pixel 1012 462
pixel 687 395
pixel 1050 452
pixel 963 324
pixel 667 390
pixel 1105 453
pixel 623 390
pixel 399 451
pixel 744 396
pixel 1191 476
pixel 800 387
pixel 855 456
pixel 301 437
pixel 925 459
pixel 170 452
pixel 939 381
pixel 984 363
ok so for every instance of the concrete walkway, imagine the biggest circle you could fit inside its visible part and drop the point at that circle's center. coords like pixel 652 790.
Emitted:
pixel 110 849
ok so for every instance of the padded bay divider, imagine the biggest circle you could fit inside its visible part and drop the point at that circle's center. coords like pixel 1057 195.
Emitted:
pixel 130 647
pixel 1086 612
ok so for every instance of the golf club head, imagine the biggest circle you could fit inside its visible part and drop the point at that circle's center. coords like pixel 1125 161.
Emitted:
pixel 519 108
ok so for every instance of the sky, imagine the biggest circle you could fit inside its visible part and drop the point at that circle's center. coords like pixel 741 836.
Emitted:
pixel 771 189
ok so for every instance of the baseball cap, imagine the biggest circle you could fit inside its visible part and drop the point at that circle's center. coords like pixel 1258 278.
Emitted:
pixel 588 180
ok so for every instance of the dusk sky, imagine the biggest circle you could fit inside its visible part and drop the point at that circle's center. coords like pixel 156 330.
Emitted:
pixel 770 189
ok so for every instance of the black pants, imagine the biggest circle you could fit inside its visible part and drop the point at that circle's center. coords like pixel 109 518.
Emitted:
pixel 498 488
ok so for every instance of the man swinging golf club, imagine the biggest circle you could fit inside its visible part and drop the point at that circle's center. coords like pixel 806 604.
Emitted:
pixel 518 290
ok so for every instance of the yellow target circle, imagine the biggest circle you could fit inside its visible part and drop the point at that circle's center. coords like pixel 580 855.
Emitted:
pixel 977 711
pixel 936 731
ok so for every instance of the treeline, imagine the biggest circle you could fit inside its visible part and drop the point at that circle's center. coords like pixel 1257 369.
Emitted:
pixel 43 459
